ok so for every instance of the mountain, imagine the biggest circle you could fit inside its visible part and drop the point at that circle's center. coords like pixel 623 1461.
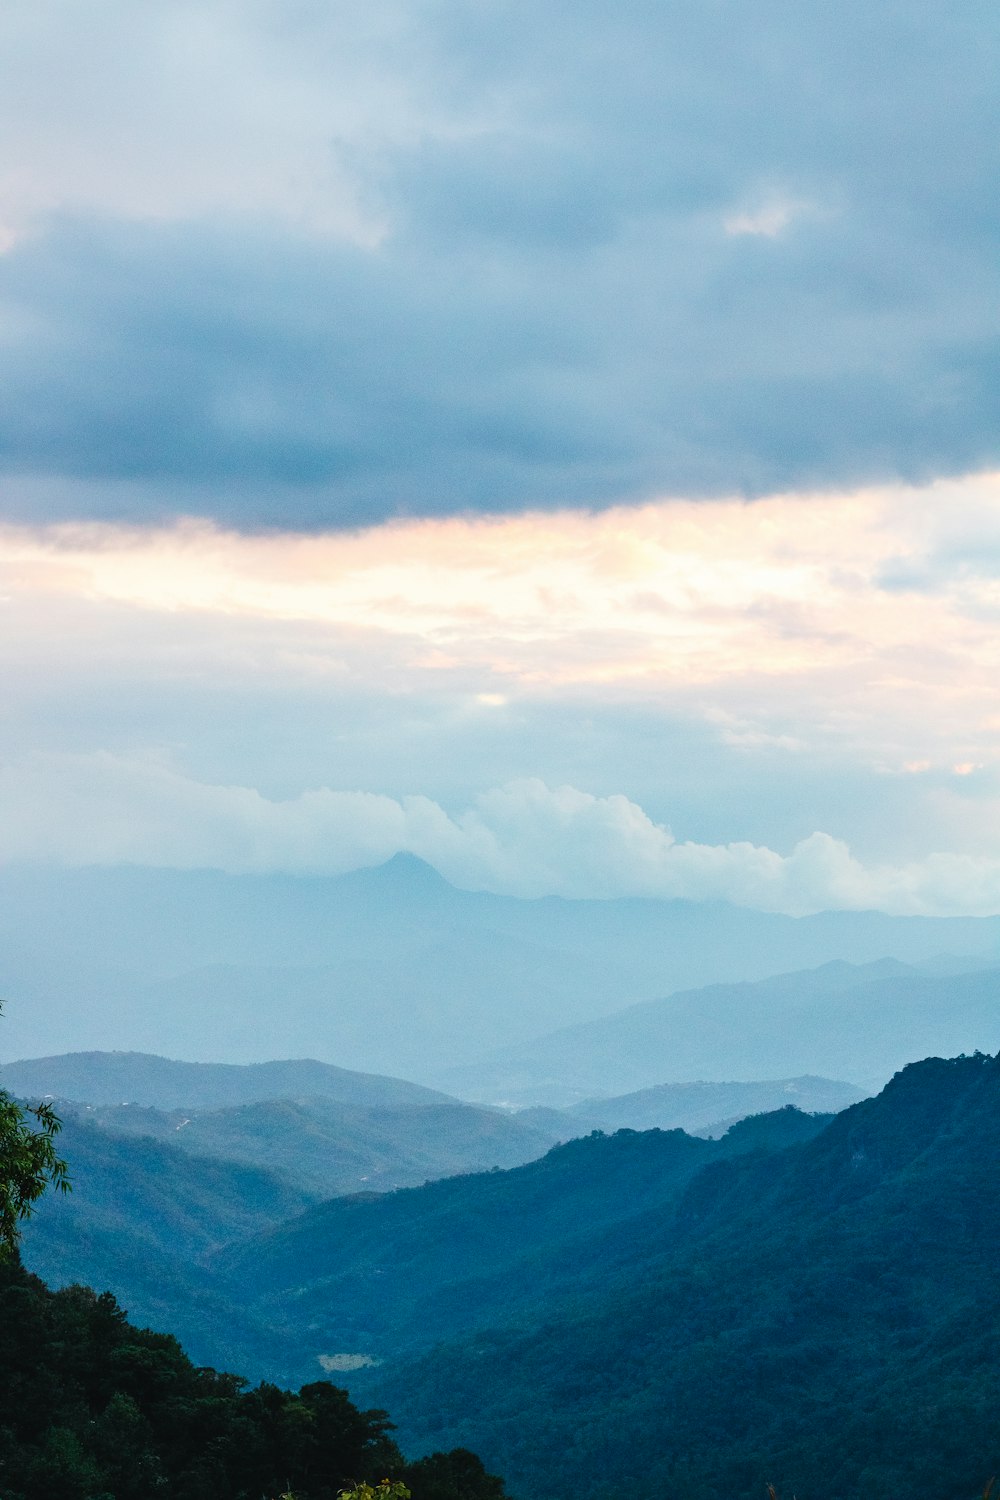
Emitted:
pixel 141 1219
pixel 389 970
pixel 327 1148
pixel 822 1318
pixel 809 1301
pixel 254 1278
pixel 840 1020
pixel 698 1107
pixel 110 1078
pixel 372 1279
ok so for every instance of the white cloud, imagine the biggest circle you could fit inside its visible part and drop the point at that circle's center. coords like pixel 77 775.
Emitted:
pixel 524 839
pixel 768 219
pixel 188 110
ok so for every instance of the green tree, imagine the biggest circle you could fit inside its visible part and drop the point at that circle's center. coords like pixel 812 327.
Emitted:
pixel 29 1162
pixel 386 1489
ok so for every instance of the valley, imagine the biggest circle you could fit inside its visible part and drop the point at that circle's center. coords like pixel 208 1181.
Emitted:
pixel 688 1283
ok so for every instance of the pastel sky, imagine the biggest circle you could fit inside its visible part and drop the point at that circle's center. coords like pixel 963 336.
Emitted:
pixel 560 441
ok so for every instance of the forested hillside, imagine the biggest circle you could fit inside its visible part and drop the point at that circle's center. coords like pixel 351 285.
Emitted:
pixel 224 1255
pixel 809 1301
pixel 140 1221
pixel 377 1277
pixel 93 1408
pixel 825 1319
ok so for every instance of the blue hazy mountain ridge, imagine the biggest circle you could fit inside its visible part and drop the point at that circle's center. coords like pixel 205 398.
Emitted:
pixel 701 1106
pixel 858 1023
pixel 388 970
pixel 327 1148
pixel 822 1317
pixel 110 1078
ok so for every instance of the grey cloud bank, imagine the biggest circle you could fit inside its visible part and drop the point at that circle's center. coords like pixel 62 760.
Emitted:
pixel 540 256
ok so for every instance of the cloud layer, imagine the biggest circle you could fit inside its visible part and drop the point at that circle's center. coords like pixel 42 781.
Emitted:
pixel 523 839
pixel 743 674
pixel 862 625
pixel 319 265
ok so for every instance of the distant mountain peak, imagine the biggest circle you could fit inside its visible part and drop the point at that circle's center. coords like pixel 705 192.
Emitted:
pixel 404 873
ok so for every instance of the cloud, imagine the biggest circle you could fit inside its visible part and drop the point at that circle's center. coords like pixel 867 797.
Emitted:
pixel 769 218
pixel 739 671
pixel 323 266
pixel 523 839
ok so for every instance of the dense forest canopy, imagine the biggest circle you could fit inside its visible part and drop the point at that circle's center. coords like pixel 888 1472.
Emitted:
pixel 93 1408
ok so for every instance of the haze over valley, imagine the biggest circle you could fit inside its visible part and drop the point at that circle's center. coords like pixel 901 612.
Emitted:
pixel 393 970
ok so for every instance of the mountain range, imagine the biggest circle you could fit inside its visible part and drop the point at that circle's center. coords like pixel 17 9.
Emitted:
pixel 808 1300
pixel 380 1278
pixel 821 1317
pixel 699 1107
pixel 390 970
pixel 185 1241
pixel 844 1021
pixel 157 1192
pixel 327 1149
pixel 164 1083
pixel 329 1131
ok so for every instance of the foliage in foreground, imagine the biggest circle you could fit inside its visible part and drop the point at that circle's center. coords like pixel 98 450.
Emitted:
pixel 29 1163
pixel 92 1408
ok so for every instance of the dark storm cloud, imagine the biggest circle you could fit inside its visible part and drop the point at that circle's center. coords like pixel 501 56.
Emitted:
pixel 664 248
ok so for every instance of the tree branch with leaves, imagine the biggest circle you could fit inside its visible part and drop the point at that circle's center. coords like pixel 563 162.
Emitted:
pixel 29 1163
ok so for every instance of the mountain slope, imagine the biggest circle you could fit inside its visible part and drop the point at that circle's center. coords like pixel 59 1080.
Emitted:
pixel 328 1148
pixel 140 1220
pixel 824 1319
pixel 382 1276
pixel 839 1021
pixel 112 1078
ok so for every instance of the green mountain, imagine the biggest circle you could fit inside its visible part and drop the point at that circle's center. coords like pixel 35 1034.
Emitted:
pixel 824 1318
pixel 376 1278
pixel 141 1220
pixel 148 1217
pixel 327 1148
pixel 155 1193
pixel 808 1301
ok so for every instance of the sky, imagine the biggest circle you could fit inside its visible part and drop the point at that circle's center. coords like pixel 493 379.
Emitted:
pixel 557 441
